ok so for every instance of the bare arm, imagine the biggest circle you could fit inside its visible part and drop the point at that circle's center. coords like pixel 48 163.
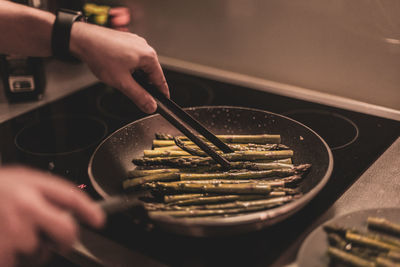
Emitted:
pixel 25 30
pixel 111 55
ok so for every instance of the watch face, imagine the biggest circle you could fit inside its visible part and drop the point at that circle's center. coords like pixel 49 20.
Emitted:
pixel 77 15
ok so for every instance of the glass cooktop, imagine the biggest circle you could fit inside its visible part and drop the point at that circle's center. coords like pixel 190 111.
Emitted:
pixel 61 136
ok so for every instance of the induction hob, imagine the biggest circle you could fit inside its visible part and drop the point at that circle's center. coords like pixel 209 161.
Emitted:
pixel 61 136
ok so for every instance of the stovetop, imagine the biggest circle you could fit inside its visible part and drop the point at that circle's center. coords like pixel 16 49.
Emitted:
pixel 61 136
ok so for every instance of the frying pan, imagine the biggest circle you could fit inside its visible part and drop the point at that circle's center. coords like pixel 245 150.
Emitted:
pixel 112 159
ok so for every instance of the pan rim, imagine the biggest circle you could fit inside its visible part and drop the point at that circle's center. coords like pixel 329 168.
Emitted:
pixel 267 217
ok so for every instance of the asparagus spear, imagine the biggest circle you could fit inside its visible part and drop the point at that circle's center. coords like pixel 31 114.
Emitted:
pixel 344 232
pixel 150 178
pixel 286 161
pixel 281 182
pixel 384 225
pixel 234 147
pixel 190 162
pixel 349 258
pixel 179 197
pixel 245 166
pixel 211 188
pixel 164 153
pixel 201 161
pixel 235 156
pixel 370 242
pixel 258 155
pixel 215 199
pixel 239 175
pixel 256 138
pixel 224 209
pixel 139 173
pixel 196 151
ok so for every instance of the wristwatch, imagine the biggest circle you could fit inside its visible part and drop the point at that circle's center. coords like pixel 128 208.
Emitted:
pixel 62 32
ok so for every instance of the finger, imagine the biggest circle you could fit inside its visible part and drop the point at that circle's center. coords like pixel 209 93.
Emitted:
pixel 138 95
pixel 156 76
pixel 56 224
pixel 67 196
pixel 77 203
pixel 20 230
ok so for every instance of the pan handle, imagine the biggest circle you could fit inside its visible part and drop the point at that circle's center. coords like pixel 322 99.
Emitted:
pixel 119 204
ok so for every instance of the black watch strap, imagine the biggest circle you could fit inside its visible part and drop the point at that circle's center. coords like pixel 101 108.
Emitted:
pixel 62 32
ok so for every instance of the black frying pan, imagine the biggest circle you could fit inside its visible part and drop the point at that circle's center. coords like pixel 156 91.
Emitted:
pixel 113 158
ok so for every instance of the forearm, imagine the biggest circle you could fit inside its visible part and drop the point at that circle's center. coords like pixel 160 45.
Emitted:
pixel 25 30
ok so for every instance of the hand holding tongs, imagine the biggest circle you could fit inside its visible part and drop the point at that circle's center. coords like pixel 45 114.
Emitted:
pixel 181 120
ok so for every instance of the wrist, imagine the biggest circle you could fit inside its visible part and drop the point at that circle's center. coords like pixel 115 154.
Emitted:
pixel 76 46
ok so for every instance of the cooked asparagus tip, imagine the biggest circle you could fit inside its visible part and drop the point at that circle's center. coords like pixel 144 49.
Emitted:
pixel 384 225
pixel 163 143
pixel 211 188
pixel 224 209
pixel 235 156
pixel 164 136
pixel 370 242
pixel 140 173
pixel 196 151
pixel 243 139
pixel 189 150
pixel 150 178
pixel 258 155
pixel 242 165
pixel 240 174
pixel 180 162
pixel 234 147
pixel 349 258
pixel 194 162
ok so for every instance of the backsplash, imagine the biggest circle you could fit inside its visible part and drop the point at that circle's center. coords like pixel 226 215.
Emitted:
pixel 345 48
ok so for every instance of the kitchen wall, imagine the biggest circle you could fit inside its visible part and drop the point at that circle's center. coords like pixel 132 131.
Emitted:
pixel 346 48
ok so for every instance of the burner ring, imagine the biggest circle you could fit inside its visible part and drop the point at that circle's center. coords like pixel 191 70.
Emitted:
pixel 60 135
pixel 116 105
pixel 323 122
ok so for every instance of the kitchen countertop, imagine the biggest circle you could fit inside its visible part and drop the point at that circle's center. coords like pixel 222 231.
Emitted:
pixel 62 79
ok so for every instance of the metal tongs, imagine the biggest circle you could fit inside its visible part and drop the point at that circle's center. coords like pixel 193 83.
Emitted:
pixel 180 119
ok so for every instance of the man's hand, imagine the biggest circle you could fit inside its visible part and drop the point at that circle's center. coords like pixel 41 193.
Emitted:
pixel 114 55
pixel 36 204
